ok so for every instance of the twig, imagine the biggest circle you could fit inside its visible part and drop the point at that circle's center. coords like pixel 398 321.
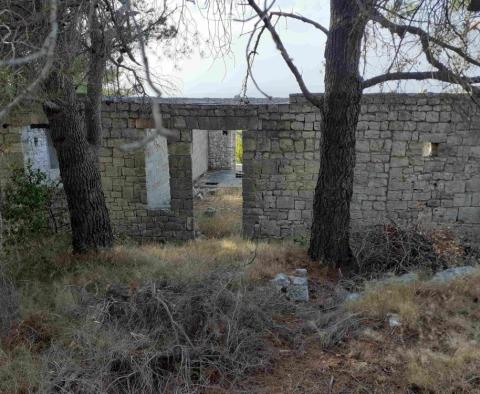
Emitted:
pixel 52 41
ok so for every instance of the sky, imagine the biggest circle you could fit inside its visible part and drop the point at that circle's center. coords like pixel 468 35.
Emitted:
pixel 203 76
pixel 199 76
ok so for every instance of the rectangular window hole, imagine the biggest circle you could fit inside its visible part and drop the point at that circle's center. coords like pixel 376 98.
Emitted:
pixel 211 183
pixel 430 149
pixel 157 170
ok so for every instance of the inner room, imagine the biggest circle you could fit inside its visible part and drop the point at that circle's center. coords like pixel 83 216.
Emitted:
pixel 217 182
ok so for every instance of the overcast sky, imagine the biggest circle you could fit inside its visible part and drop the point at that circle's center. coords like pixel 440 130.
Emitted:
pixel 199 76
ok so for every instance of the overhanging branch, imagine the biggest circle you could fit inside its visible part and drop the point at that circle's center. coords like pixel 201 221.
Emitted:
pixel 303 19
pixel 419 76
pixel 443 73
pixel 401 30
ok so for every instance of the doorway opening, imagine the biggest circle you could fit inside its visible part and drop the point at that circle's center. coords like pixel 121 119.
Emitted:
pixel 216 172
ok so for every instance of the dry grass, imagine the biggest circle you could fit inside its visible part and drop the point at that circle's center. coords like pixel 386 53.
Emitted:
pixel 68 324
pixel 20 370
pixel 379 302
pixel 57 292
pixel 440 372
pixel 435 350
pixel 227 220
pixel 438 340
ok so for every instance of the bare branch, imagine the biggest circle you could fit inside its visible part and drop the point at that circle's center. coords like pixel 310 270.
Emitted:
pixel 443 74
pixel 286 57
pixel 50 55
pixel 98 61
pixel 419 76
pixel 250 56
pixel 303 19
pixel 255 16
pixel 401 30
pixel 157 116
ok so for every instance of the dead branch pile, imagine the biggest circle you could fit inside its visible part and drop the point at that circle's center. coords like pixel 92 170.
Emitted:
pixel 164 337
pixel 392 249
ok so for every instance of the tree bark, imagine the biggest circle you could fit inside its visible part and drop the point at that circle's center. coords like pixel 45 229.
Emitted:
pixel 79 171
pixel 341 108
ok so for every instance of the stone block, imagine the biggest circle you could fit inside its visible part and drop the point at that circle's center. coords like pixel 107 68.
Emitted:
pixel 455 187
pixel 469 215
pixel 432 117
pixel 285 203
pixel 473 185
pixel 286 145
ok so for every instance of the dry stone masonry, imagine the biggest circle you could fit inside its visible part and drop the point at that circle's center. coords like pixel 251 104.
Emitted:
pixel 417 155
pixel 221 149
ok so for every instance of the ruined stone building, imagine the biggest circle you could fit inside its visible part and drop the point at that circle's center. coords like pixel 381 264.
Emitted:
pixel 418 160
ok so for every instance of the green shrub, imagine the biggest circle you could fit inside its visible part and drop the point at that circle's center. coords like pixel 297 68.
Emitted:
pixel 238 147
pixel 27 205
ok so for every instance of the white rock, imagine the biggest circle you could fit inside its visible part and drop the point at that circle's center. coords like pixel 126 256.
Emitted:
pixel 352 296
pixel 296 287
pixel 405 278
pixel 393 320
pixel 281 281
pixel 452 273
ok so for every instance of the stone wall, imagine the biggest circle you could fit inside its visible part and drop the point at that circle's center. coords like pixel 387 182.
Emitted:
pixel 124 172
pixel 280 167
pixel 124 177
pixel 199 153
pixel 221 149
pixel 396 176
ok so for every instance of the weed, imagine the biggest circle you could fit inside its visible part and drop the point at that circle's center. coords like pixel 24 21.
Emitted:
pixel 227 220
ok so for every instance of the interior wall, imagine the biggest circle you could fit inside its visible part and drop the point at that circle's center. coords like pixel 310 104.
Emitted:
pixel 199 153
pixel 221 149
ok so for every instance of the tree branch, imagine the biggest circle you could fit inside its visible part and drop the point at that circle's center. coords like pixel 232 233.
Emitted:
pixel 250 55
pixel 283 51
pixel 401 30
pixel 443 73
pixel 419 76
pixel 52 44
pixel 160 130
pixel 303 19
pixel 98 61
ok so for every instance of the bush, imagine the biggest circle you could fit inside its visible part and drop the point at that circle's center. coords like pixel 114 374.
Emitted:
pixel 27 207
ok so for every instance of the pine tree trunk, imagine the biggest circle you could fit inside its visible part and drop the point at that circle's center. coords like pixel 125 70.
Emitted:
pixel 79 171
pixel 331 209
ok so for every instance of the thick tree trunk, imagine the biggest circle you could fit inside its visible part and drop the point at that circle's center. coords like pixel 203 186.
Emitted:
pixel 331 209
pixel 79 171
